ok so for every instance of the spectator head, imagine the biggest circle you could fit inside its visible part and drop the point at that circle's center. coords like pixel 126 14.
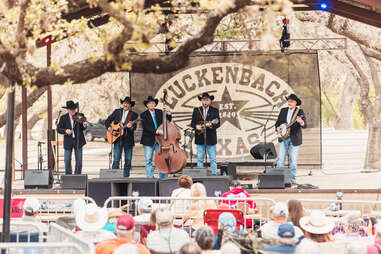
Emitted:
pixel 280 212
pixel 317 226
pixel 125 227
pixel 307 247
pixel 356 247
pixel 127 248
pixel 235 184
pixel 145 205
pixel 164 218
pixel 185 182
pixel 286 234
pixel 230 248
pixel 190 248
pixel 352 222
pixel 295 211
pixel 198 190
pixel 78 205
pixel 31 207
pixel 227 221
pixel 92 218
pixel 204 237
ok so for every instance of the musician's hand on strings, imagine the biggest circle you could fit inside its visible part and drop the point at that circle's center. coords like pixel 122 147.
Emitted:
pixel 278 129
pixel 85 124
pixel 198 127
pixel 159 132
pixel 129 125
pixel 166 109
pixel 109 129
pixel 68 132
pixel 299 120
pixel 208 124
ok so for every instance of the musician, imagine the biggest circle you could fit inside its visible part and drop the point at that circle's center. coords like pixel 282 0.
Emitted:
pixel 206 113
pixel 73 137
pixel 152 118
pixel 292 143
pixel 124 116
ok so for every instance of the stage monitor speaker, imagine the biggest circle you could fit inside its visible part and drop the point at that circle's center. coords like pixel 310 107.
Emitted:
pixel 271 181
pixel 195 172
pixel 215 185
pixel 229 169
pixel 111 173
pixel 142 187
pixel 285 171
pixel 99 191
pixel 74 182
pixel 38 179
pixel 258 151
pixel 167 185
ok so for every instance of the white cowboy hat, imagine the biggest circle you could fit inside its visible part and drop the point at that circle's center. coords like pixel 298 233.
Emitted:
pixel 91 218
pixel 317 223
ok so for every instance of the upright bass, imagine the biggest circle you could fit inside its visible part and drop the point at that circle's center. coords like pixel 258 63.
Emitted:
pixel 170 158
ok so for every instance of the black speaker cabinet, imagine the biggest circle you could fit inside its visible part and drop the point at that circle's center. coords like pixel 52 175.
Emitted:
pixel 271 181
pixel 285 171
pixel 214 185
pixel 258 151
pixel 229 169
pixel 167 185
pixel 142 187
pixel 99 191
pixel 74 182
pixel 40 179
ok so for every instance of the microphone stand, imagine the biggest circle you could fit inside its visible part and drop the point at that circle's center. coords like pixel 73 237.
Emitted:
pixel 205 139
pixel 264 132
pixel 57 140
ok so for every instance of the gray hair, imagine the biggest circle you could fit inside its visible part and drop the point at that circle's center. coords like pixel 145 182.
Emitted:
pixel 230 248
pixel 124 233
pixel 204 237
pixel 190 248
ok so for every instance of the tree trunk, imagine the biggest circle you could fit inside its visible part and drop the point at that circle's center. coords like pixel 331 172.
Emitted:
pixel 373 149
pixel 33 121
pixel 32 98
pixel 345 107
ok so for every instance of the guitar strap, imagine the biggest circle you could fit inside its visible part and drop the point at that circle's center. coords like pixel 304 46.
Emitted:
pixel 203 117
pixel 295 115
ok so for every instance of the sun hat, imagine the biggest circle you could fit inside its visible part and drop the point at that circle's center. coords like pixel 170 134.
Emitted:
pixel 125 222
pixel 145 204
pixel 317 223
pixel 280 208
pixel 91 218
pixel 228 221
pixel 164 217
pixel 31 205
pixel 286 230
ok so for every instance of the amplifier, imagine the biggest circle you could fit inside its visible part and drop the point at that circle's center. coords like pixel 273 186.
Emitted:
pixel 195 172
pixel 271 181
pixel 285 171
pixel 74 182
pixel 38 179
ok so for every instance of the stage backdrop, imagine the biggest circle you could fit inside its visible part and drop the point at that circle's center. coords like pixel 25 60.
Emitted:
pixel 246 88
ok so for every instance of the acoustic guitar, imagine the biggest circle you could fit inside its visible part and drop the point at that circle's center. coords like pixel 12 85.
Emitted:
pixel 203 128
pixel 117 130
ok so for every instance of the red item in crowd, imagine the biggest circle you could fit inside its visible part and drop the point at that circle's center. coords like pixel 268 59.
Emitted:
pixel 125 222
pixel 144 231
pixel 237 193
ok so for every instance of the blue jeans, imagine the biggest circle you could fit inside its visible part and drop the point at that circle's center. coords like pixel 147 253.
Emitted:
pixel 148 155
pixel 118 147
pixel 211 150
pixel 78 160
pixel 293 151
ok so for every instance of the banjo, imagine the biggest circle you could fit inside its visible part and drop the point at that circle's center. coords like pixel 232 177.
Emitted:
pixel 285 128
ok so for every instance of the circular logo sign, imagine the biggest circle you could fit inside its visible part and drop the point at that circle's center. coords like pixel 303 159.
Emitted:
pixel 247 97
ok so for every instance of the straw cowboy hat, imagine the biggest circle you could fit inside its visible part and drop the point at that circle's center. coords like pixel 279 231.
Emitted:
pixel 91 218
pixel 128 100
pixel 317 223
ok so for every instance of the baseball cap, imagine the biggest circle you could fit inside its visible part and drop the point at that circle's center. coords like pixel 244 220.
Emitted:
pixel 280 208
pixel 164 217
pixel 125 222
pixel 145 204
pixel 31 205
pixel 286 230
pixel 228 221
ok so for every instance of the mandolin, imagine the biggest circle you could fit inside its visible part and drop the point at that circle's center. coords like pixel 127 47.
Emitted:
pixel 117 130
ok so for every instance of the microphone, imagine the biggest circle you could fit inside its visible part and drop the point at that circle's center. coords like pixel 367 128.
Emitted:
pixel 58 116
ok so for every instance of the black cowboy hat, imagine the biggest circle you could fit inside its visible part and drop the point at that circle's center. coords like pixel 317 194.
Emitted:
pixel 150 98
pixel 71 105
pixel 205 95
pixel 128 100
pixel 295 98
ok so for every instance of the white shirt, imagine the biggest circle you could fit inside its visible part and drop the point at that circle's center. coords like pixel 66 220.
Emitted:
pixel 179 207
pixel 289 114
pixel 72 126
pixel 270 231
pixel 205 111
pixel 167 240
pixel 95 237
pixel 124 116
pixel 142 219
pixel 152 115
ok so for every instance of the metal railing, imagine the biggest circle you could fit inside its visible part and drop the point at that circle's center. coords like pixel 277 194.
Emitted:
pixel 41 248
pixel 60 234
pixel 26 231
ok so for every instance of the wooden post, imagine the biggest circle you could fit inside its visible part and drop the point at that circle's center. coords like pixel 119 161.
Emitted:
pixel 24 119
pixel 50 134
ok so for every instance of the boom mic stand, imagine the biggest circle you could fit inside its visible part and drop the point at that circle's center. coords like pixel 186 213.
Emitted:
pixel 264 132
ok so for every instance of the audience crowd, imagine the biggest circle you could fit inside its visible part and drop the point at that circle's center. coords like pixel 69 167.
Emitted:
pixel 179 227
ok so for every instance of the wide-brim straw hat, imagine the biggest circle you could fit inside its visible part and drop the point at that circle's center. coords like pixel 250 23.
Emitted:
pixel 91 218
pixel 317 223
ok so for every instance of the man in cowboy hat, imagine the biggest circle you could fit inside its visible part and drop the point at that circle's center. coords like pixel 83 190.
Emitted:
pixel 126 142
pixel 291 144
pixel 152 118
pixel 211 116
pixel 73 137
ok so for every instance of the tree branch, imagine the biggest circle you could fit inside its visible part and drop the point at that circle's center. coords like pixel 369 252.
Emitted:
pixel 21 39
